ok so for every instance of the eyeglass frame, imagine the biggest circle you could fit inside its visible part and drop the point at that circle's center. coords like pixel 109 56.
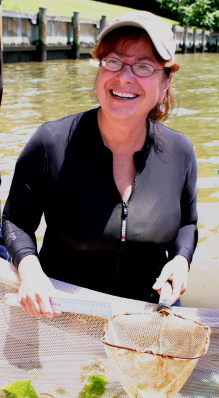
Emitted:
pixel 131 65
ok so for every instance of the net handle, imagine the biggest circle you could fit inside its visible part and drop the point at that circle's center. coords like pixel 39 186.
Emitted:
pixel 165 297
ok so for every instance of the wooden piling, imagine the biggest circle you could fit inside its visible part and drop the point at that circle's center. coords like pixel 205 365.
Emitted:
pixel 194 45
pixel 210 41
pixel 19 44
pixel 42 50
pixel 217 45
pixel 203 40
pixel 102 22
pixel 76 35
pixel 185 39
pixel 174 31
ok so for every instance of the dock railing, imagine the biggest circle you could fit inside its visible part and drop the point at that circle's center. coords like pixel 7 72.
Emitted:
pixel 40 36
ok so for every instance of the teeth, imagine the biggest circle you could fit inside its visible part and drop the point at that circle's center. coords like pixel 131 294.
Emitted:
pixel 124 95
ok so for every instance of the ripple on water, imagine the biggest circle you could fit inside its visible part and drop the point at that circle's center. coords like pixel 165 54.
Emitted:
pixel 183 111
pixel 207 90
pixel 208 182
pixel 213 143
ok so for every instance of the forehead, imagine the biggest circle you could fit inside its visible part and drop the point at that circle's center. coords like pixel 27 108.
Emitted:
pixel 141 48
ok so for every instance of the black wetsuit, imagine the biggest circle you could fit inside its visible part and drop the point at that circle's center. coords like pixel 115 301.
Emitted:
pixel 93 239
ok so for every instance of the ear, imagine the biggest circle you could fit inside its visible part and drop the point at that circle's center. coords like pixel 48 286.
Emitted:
pixel 166 86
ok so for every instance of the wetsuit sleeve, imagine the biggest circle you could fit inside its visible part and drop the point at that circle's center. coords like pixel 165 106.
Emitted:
pixel 24 206
pixel 186 240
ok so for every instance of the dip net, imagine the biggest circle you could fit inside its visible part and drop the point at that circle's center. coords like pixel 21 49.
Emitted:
pixel 71 355
pixel 154 354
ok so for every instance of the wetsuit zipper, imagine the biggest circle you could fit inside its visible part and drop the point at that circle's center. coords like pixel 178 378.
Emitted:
pixel 123 233
pixel 123 228
pixel 124 208
pixel 125 214
pixel 124 220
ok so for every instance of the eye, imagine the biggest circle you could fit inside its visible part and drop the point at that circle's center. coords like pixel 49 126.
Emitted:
pixel 144 67
pixel 112 64
pixel 112 61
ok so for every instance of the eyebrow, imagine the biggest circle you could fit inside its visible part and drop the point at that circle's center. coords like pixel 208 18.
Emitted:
pixel 141 58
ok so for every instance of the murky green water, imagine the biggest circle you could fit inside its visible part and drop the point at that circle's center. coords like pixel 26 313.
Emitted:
pixel 35 93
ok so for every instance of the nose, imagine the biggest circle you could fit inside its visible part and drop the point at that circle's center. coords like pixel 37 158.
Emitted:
pixel 125 75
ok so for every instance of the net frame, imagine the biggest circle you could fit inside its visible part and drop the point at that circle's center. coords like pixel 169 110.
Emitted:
pixel 164 312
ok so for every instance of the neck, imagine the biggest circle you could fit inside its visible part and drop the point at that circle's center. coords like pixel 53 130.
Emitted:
pixel 122 136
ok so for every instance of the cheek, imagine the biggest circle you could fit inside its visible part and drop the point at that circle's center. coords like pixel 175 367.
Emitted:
pixel 156 86
pixel 157 92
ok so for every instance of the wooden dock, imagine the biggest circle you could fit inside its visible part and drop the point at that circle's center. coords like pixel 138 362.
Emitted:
pixel 39 36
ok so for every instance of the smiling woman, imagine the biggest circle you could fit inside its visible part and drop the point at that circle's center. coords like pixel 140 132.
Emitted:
pixel 144 63
pixel 125 183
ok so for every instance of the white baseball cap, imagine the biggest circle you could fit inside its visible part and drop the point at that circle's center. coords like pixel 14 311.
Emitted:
pixel 158 30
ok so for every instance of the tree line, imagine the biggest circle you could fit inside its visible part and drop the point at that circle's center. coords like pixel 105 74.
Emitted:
pixel 200 13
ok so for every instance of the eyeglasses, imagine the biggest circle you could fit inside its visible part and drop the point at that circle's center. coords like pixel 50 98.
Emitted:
pixel 140 69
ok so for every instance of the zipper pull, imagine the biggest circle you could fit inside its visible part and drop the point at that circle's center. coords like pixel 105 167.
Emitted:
pixel 124 219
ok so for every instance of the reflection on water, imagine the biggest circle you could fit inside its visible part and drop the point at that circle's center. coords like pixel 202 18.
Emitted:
pixel 197 85
pixel 35 93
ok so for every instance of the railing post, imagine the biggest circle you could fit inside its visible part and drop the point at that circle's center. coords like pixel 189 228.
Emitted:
pixel 76 35
pixel 217 45
pixel 194 40
pixel 174 31
pixel 102 22
pixel 203 40
pixel 210 41
pixel 1 54
pixel 42 50
pixel 185 39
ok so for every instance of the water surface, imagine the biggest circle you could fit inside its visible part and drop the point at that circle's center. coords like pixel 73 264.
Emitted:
pixel 35 93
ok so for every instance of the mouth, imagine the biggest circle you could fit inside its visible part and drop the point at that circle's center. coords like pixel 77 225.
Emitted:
pixel 127 96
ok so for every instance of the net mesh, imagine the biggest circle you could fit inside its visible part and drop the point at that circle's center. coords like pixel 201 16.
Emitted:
pixel 154 354
pixel 65 355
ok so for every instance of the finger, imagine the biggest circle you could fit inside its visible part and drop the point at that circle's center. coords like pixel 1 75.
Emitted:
pixel 23 301
pixel 162 279
pixel 33 306
pixel 29 303
pixel 184 287
pixel 45 306
pixel 29 310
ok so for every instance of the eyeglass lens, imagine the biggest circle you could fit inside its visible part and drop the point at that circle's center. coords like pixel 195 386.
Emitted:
pixel 139 69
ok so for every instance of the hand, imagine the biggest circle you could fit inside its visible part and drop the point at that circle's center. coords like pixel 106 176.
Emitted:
pixel 35 288
pixel 175 271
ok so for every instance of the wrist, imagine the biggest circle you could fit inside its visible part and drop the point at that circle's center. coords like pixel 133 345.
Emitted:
pixel 182 260
pixel 29 264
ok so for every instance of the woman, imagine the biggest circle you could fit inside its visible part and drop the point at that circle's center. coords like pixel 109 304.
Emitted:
pixel 118 189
